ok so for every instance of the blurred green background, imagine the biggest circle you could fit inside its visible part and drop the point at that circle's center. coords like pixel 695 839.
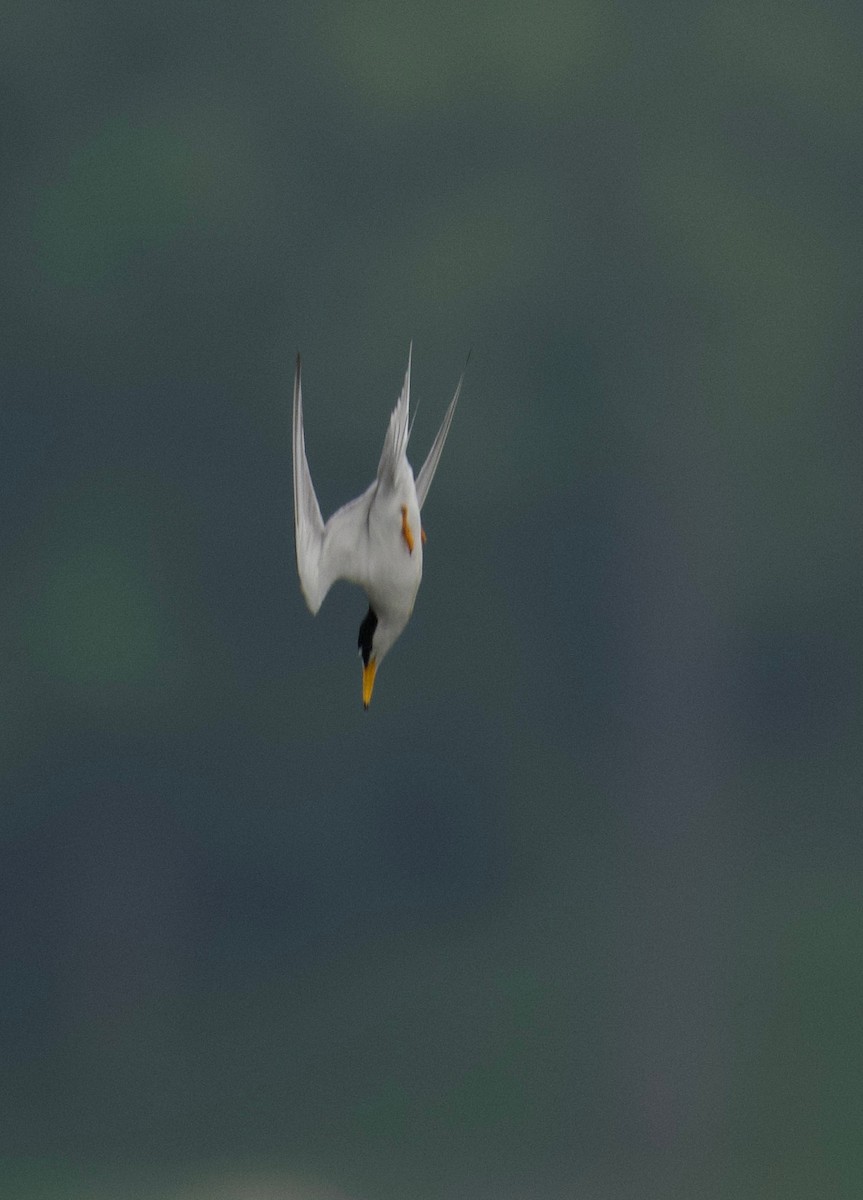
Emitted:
pixel 575 909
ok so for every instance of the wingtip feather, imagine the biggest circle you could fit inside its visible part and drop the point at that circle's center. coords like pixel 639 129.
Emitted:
pixel 427 471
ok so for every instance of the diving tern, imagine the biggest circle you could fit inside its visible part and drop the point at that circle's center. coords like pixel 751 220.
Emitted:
pixel 375 541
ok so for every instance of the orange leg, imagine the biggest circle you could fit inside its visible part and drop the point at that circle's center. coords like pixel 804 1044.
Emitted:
pixel 423 536
pixel 407 532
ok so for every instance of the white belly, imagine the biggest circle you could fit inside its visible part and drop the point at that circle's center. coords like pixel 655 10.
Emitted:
pixel 398 570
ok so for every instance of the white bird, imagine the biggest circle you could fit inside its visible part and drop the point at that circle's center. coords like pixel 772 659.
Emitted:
pixel 375 541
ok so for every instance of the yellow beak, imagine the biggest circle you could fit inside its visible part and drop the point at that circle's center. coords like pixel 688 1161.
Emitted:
pixel 369 681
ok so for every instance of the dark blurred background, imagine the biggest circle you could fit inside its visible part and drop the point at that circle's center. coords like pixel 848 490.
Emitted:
pixel 575 909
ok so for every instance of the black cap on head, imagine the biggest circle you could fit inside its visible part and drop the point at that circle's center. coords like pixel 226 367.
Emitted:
pixel 367 632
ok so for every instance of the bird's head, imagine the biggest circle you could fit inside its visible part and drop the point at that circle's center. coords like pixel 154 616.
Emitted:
pixel 375 639
pixel 368 653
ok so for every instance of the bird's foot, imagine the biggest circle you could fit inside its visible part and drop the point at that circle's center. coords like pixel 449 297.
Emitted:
pixel 423 536
pixel 407 532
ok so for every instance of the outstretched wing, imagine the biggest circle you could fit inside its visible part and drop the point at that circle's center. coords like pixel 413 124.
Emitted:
pixel 308 522
pixel 396 441
pixel 328 552
pixel 427 471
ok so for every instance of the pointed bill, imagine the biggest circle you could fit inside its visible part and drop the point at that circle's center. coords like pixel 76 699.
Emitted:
pixel 369 672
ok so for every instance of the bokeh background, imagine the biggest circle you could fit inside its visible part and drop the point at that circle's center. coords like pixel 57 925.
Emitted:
pixel 575 909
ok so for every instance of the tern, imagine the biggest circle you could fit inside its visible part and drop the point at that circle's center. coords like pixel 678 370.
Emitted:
pixel 375 541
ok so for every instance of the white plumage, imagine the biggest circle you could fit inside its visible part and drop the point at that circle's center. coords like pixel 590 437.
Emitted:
pixel 374 541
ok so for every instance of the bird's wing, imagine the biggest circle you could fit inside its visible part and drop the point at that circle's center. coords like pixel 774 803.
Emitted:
pixel 308 522
pixel 427 471
pixel 396 441
pixel 337 550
